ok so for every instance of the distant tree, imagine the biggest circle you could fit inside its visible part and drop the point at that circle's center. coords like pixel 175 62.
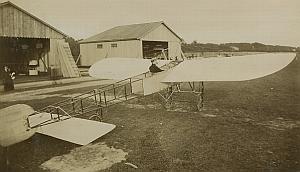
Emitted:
pixel 242 46
pixel 74 46
pixel 194 42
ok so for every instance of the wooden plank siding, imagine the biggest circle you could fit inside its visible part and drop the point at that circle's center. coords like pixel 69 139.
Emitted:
pixel 162 33
pixel 91 54
pixel 14 22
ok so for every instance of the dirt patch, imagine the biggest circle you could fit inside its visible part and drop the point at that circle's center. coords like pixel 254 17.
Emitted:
pixel 88 158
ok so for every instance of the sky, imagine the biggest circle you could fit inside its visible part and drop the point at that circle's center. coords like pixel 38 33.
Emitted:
pixel 275 22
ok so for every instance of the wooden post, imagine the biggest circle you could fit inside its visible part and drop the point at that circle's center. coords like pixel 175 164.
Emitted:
pixel 114 89
pixel 130 83
pixel 48 61
pixel 125 91
pixel 100 100
pixel 81 105
pixel 95 96
pixel 105 101
pixel 193 86
pixel 73 105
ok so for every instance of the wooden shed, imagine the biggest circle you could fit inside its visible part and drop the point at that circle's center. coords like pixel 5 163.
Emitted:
pixel 146 40
pixel 30 46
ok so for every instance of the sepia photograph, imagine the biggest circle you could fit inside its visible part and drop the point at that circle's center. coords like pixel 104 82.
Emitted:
pixel 141 85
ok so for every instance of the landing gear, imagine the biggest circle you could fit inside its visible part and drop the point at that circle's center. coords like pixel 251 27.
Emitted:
pixel 194 88
pixel 98 116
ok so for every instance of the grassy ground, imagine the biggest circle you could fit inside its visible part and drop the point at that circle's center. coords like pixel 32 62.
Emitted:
pixel 245 126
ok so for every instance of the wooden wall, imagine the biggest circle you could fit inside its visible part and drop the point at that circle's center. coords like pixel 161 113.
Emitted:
pixel 162 33
pixel 91 54
pixel 53 56
pixel 130 49
pixel 15 22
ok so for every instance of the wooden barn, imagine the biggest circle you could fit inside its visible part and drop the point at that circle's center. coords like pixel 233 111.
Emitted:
pixel 30 46
pixel 146 40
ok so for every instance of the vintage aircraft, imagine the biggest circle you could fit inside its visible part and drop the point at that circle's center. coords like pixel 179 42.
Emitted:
pixel 191 72
pixel 132 79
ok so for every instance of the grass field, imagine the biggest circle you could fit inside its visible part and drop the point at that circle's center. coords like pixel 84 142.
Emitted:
pixel 245 126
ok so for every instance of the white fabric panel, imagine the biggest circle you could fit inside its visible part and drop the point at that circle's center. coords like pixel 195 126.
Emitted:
pixel 137 87
pixel 237 68
pixel 153 83
pixel 74 130
pixel 121 68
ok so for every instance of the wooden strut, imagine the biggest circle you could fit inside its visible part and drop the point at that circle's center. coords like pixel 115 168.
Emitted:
pixel 98 116
pixel 122 91
pixel 168 96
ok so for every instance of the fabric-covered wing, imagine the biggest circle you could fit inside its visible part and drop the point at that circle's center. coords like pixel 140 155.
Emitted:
pixel 121 68
pixel 153 84
pixel 75 130
pixel 237 68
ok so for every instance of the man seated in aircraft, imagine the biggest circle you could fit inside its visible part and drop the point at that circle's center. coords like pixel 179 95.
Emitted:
pixel 153 68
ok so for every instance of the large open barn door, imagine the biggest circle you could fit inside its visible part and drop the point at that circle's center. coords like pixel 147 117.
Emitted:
pixel 155 49
pixel 27 56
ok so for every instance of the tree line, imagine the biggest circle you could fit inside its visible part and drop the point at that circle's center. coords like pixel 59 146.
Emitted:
pixel 249 47
pixel 210 47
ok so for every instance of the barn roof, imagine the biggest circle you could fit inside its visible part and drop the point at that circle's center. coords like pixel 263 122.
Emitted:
pixel 126 32
pixel 7 3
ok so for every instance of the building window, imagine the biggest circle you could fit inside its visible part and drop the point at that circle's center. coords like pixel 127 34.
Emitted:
pixel 99 45
pixel 114 45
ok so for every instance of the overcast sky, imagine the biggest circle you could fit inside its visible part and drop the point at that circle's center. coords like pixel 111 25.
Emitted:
pixel 206 21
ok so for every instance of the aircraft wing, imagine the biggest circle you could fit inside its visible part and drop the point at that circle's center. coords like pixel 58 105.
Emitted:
pixel 121 68
pixel 75 130
pixel 236 68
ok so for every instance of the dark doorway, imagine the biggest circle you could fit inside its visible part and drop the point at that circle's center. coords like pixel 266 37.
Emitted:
pixel 155 49
pixel 18 53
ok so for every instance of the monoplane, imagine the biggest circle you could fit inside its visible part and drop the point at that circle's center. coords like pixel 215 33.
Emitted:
pixel 131 79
